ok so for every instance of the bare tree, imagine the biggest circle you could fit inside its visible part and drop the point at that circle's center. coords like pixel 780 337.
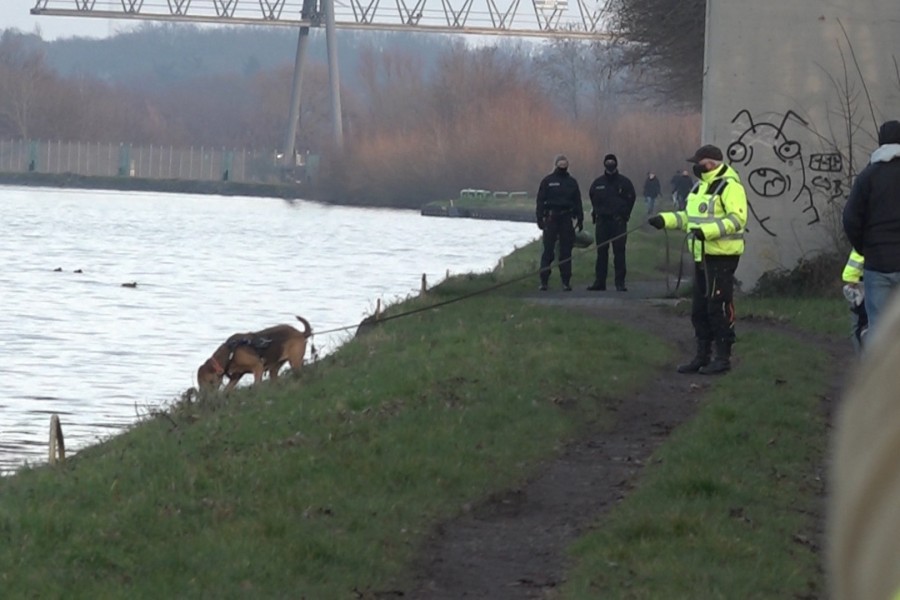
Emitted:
pixel 21 74
pixel 849 132
pixel 392 86
pixel 564 68
pixel 664 40
pixel 604 68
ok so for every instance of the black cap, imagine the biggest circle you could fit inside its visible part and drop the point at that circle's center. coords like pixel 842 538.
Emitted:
pixel 611 157
pixel 889 133
pixel 707 151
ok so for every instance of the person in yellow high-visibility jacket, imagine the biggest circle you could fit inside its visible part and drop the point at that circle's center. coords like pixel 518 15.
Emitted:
pixel 855 295
pixel 715 217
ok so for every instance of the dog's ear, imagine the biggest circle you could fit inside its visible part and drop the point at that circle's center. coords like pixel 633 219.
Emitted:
pixel 207 376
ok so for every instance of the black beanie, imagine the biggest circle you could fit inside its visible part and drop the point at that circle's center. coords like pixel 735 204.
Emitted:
pixel 611 157
pixel 889 133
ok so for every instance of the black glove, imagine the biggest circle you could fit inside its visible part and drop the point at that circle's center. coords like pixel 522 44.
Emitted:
pixel 656 221
pixel 579 224
pixel 593 217
pixel 540 223
pixel 698 234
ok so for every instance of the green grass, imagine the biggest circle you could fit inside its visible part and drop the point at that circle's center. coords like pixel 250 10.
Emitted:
pixel 829 316
pixel 505 203
pixel 329 482
pixel 724 509
pixel 646 256
pixel 320 485
pixel 646 249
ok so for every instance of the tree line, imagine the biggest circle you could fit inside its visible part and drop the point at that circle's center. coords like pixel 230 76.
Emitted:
pixel 424 115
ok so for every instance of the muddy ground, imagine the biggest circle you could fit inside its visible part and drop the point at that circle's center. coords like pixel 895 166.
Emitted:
pixel 513 545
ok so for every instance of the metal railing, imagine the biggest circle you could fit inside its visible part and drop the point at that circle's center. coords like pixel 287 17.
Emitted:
pixel 141 161
pixel 540 18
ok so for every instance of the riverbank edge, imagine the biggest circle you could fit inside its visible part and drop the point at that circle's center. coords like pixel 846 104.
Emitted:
pixel 495 214
pixel 138 184
pixel 282 191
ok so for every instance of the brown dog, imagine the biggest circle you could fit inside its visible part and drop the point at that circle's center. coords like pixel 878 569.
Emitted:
pixel 254 352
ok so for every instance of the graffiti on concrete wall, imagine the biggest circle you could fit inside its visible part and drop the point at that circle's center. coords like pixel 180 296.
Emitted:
pixel 769 160
pixel 829 180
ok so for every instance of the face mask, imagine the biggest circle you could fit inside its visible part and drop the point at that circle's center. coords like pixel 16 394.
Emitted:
pixel 698 170
pixel 610 166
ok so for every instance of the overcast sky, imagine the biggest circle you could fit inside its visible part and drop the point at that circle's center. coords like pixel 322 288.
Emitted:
pixel 16 14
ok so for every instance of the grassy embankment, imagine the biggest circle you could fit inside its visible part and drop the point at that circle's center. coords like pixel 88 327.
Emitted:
pixel 724 510
pixel 327 482
pixel 507 203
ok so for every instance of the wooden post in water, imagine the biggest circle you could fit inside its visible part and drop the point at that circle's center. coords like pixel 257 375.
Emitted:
pixel 57 444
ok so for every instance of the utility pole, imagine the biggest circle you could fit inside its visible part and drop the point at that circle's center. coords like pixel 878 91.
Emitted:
pixel 290 140
pixel 334 76
pixel 311 13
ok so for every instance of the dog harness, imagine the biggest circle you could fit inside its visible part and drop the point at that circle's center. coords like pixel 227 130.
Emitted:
pixel 254 341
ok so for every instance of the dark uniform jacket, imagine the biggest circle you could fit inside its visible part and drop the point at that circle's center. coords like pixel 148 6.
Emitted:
pixel 651 187
pixel 683 186
pixel 872 213
pixel 559 193
pixel 612 195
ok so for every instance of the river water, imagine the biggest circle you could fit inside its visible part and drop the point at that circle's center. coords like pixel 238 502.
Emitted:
pixel 100 354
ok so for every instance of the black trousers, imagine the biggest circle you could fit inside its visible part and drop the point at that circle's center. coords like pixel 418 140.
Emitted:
pixel 608 228
pixel 712 307
pixel 558 227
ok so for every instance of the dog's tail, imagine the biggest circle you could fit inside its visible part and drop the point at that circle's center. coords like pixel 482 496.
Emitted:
pixel 308 328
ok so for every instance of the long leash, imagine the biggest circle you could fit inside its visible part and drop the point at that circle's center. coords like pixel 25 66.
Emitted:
pixel 484 290
pixel 717 192
pixel 669 291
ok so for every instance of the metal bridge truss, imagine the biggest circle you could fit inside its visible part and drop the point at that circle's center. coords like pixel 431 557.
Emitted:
pixel 535 18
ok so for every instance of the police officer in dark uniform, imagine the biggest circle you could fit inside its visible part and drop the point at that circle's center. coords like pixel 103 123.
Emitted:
pixel 559 213
pixel 612 198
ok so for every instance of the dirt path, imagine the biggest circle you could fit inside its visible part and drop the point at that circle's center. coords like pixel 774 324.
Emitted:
pixel 512 546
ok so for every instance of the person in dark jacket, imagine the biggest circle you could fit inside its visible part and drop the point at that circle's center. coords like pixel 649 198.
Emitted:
pixel 612 199
pixel 673 184
pixel 651 192
pixel 872 221
pixel 559 213
pixel 683 186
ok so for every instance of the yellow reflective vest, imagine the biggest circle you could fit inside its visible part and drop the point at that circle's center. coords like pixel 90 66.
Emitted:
pixel 853 270
pixel 718 206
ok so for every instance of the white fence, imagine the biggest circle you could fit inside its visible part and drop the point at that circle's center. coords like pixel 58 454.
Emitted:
pixel 127 160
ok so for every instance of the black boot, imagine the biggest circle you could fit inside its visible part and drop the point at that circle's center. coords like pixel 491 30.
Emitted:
pixel 704 351
pixel 721 363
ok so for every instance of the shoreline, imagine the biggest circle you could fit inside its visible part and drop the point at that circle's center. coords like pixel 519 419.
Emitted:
pixel 133 184
pixel 494 214
pixel 259 190
pixel 282 191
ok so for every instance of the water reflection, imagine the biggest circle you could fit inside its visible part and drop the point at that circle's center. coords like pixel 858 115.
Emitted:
pixel 81 345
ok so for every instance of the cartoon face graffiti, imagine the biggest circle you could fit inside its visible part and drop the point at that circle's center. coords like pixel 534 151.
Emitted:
pixel 771 165
pixel 768 182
